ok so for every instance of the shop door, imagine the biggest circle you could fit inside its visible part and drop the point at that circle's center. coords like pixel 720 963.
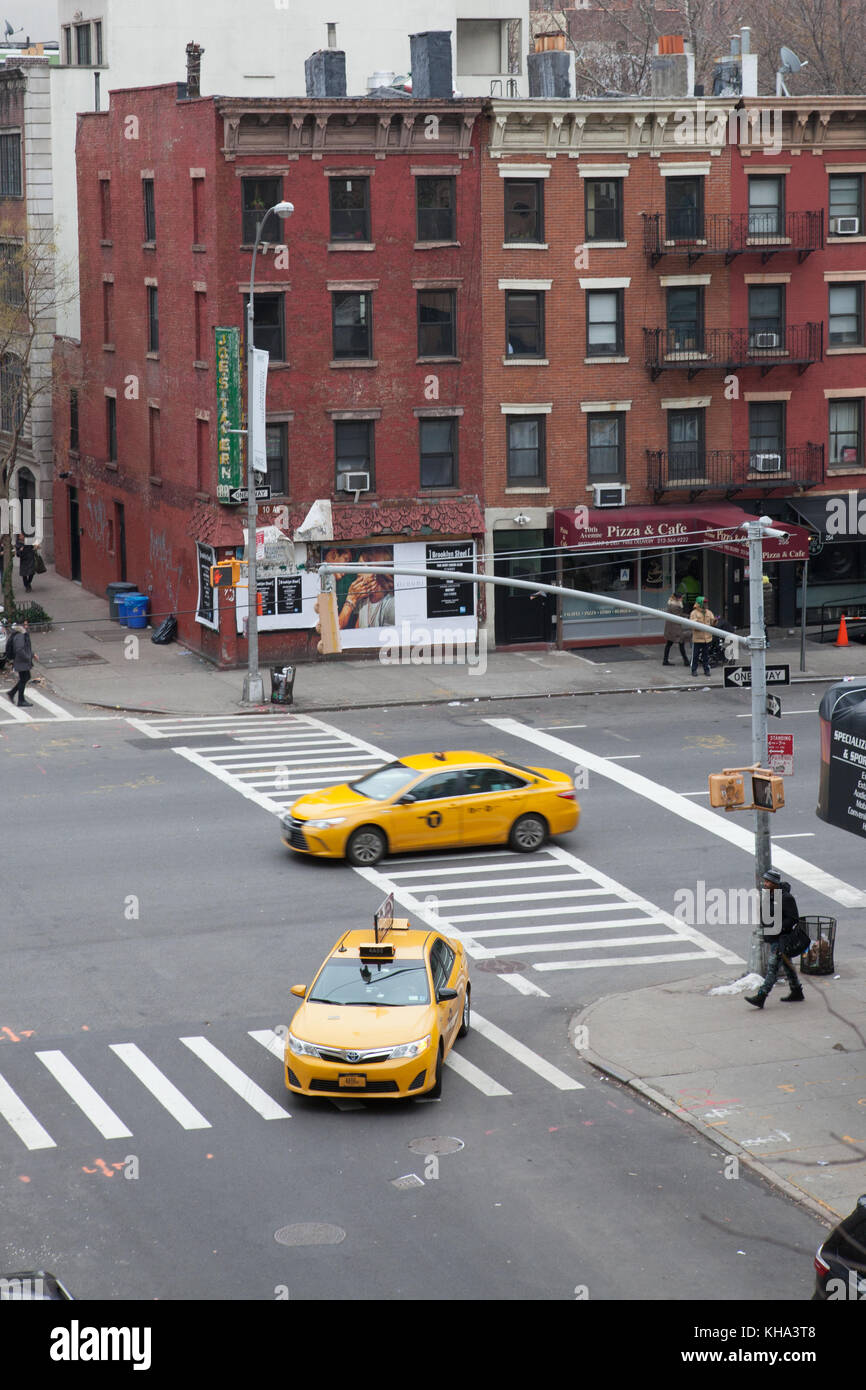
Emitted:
pixel 521 615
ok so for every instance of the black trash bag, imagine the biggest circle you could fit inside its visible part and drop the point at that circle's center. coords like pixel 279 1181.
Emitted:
pixel 166 632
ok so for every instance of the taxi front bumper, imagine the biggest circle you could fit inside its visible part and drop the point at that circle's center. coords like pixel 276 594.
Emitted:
pixel 324 840
pixel 389 1080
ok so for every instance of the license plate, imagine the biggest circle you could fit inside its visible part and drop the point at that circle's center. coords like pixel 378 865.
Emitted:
pixel 353 1079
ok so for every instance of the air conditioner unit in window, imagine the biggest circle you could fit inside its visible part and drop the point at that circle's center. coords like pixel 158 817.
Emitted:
pixel 766 340
pixel 844 226
pixel 609 494
pixel 353 482
pixel 767 463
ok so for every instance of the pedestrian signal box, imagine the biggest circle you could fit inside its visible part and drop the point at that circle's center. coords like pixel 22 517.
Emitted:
pixel 768 790
pixel 727 789
pixel 225 575
pixel 328 626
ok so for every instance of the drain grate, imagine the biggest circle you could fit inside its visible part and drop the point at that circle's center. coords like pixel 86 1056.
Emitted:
pixel 310 1233
pixel 436 1144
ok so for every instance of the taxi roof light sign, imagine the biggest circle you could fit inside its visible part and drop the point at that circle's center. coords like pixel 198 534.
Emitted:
pixel 377 950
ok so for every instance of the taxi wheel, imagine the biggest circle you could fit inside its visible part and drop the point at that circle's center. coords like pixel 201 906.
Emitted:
pixel 528 834
pixel 464 1022
pixel 366 846
pixel 436 1089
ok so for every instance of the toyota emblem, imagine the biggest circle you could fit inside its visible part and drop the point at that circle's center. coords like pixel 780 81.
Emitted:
pixel 353 1056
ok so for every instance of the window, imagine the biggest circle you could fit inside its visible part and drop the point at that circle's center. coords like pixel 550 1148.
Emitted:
pixel 97 42
pixel 257 196
pixel 437 327
pixel 202 435
pixel 605 334
pixel 82 45
pixel 603 209
pixel 111 429
pixel 268 325
pixel 846 315
pixel 11 272
pixel 200 316
pixel 441 956
pixel 107 311
pixel 11 394
pixel 436 205
pixel 846 434
pixel 605 445
pixel 441 785
pixel 353 447
pixel 105 209
pixel 352 319
pixel 766 428
pixel 152 318
pixel 524 323
pixel 438 442
pixel 766 316
pixel 153 440
pixel 67 43
pixel 526 449
pixel 73 420
pixel 277 447
pixel 685 319
pixel 686 444
pixel 10 166
pixel 524 210
pixel 846 199
pixel 197 195
pixel 149 209
pixel 766 205
pixel 684 208
pixel 481 780
pixel 350 209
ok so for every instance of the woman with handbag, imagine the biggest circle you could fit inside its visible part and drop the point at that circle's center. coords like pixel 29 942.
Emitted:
pixel 28 560
pixel 789 939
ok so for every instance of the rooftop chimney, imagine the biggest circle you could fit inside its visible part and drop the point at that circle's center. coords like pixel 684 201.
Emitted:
pixel 325 73
pixel 430 60
pixel 551 74
pixel 193 69
pixel 673 70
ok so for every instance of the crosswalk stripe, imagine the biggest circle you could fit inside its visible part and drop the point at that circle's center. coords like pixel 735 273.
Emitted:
pixel 24 1123
pixel 549 927
pixel 586 945
pixel 163 1090
pixel 57 710
pixel 521 1053
pixel 474 1075
pixel 272 1041
pixel 619 960
pixel 536 898
pixel 79 1089
pixel 238 1080
pixel 399 875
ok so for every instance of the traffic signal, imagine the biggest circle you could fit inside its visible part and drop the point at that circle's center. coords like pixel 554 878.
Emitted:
pixel 727 789
pixel 328 626
pixel 225 575
pixel 768 790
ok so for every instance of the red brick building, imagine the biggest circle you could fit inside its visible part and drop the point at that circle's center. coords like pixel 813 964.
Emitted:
pixel 371 315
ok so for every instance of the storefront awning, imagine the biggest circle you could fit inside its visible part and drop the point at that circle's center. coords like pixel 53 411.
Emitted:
pixel 716 525
pixel 840 516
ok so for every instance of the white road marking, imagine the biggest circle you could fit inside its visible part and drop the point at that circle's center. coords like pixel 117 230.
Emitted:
pixel 398 874
pixel 272 1041
pixel 475 1076
pixel 159 1086
pixel 238 1080
pixel 88 1100
pixel 790 864
pixel 618 960
pixel 24 1123
pixel 799 835
pixel 623 757
pixel 525 986
pixel 38 698
pixel 219 772
pixel 18 715
pixel 563 726
pixel 786 714
pixel 521 1053
pixel 550 927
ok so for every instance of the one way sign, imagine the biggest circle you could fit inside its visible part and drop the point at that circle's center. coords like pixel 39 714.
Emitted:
pixel 741 676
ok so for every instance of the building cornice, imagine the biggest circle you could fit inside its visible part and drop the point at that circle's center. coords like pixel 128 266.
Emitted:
pixel 287 128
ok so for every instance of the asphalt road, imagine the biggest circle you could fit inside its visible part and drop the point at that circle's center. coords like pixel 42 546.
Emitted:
pixel 149 906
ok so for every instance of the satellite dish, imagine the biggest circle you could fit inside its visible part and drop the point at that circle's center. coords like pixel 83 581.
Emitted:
pixel 9 30
pixel 790 61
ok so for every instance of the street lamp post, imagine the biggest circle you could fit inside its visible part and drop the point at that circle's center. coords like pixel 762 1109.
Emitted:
pixel 254 691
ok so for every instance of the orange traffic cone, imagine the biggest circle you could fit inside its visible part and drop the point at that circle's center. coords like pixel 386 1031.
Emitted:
pixel 842 635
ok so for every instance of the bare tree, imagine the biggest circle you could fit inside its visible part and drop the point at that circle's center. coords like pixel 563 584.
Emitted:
pixel 828 34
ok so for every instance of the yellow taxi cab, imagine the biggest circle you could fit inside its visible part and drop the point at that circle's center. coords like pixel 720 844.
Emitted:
pixel 433 801
pixel 381 1015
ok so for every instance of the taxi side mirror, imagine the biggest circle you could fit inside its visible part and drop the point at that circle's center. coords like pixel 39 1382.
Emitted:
pixel 443 994
pixel 406 799
pixel 299 990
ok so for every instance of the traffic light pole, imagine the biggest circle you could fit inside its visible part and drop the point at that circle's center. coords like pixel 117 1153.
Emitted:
pixel 757 649
pixel 254 686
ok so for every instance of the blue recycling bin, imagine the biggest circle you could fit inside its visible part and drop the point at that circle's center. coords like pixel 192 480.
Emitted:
pixel 136 607
pixel 120 605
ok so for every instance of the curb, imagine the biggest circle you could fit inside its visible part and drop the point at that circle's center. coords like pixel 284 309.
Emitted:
pixel 813 1205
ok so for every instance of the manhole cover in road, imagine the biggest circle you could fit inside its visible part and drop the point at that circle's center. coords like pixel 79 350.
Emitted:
pixel 310 1233
pixel 437 1144
pixel 503 967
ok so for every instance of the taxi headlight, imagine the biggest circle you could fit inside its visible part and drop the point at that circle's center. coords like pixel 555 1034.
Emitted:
pixel 412 1049
pixel 301 1048
pixel 325 824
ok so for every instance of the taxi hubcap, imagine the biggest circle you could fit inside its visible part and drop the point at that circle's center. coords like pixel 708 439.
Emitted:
pixel 367 848
pixel 530 834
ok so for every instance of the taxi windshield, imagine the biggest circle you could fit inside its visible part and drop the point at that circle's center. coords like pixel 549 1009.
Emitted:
pixel 385 781
pixel 356 981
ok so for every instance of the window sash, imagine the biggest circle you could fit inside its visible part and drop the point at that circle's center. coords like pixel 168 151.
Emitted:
pixel 524 210
pixel 436 323
pixel 352 325
pixel 846 195
pixel 257 195
pixel 685 319
pixel 845 328
pixel 604 326
pixel 767 427
pixel 152 318
pixel 846 433
pixel 10 166
pixel 268 325
pixel 277 452
pixel 11 273
pixel 438 449
pixel 686 458
pixel 684 208
pixel 524 323
pixel 82 45
pixel 350 209
pixel 603 209
pixel 766 205
pixel 149 209
pixel 353 447
pixel 435 208
pixel 111 427
pixel 525 445
pixel 766 310
pixel 605 445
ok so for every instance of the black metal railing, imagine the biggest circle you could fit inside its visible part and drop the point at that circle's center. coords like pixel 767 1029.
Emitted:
pixel 727 349
pixel 732 234
pixel 730 471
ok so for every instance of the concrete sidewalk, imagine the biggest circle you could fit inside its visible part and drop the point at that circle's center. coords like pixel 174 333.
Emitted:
pixel 84 659
pixel 782 1088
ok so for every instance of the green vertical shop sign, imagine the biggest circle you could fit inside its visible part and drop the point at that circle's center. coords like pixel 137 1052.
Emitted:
pixel 228 360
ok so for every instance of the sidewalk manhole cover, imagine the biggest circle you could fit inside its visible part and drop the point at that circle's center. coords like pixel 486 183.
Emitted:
pixel 436 1144
pixel 71 659
pixel 310 1233
pixel 502 967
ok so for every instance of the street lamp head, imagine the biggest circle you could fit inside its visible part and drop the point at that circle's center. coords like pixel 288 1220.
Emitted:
pixel 283 209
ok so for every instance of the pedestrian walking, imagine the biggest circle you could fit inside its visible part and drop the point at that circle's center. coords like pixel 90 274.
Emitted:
pixel 26 560
pixel 674 632
pixel 701 641
pixel 779 910
pixel 20 652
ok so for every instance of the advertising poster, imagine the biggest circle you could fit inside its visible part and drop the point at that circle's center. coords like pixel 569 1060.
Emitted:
pixel 450 599
pixel 228 377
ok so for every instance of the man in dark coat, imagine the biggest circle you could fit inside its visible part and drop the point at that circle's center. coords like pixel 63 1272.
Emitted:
pixel 674 632
pixel 27 560
pixel 779 913
pixel 20 652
